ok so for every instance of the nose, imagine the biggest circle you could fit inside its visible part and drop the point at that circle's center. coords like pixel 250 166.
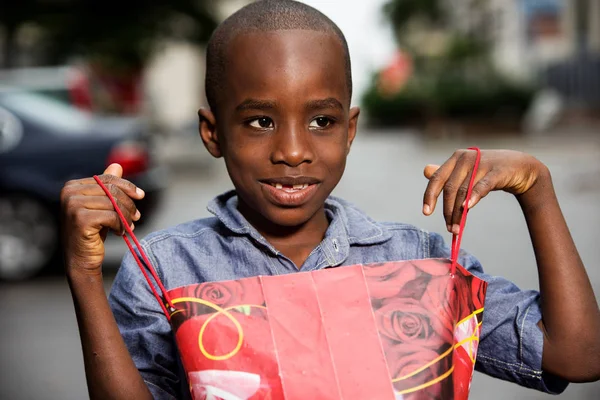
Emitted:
pixel 292 146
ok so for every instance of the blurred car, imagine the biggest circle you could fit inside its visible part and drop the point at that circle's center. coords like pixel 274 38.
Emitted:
pixel 43 144
pixel 53 82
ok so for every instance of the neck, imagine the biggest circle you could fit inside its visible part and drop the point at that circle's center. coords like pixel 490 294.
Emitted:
pixel 295 242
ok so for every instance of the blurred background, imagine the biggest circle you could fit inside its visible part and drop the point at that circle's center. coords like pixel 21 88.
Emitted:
pixel 84 84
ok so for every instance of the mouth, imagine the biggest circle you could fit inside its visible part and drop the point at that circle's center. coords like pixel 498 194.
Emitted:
pixel 290 184
pixel 290 191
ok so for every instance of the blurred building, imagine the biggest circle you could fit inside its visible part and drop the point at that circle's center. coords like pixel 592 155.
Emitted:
pixel 553 42
pixel 528 35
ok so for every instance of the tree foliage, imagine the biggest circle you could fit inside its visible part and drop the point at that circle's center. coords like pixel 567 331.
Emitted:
pixel 401 13
pixel 121 34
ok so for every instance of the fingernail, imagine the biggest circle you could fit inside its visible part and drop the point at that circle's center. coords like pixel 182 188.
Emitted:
pixel 464 204
pixel 426 209
pixel 137 214
pixel 456 229
pixel 139 191
pixel 449 228
pixel 132 227
pixel 471 202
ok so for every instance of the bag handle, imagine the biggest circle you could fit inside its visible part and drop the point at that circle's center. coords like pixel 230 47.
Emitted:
pixel 456 241
pixel 140 264
pixel 457 238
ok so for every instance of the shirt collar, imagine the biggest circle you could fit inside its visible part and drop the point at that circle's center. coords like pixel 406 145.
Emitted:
pixel 348 225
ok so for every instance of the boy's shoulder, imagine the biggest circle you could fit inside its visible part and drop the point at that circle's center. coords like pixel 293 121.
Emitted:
pixel 395 234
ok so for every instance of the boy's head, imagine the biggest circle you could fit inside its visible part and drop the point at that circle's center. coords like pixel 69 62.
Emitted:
pixel 279 86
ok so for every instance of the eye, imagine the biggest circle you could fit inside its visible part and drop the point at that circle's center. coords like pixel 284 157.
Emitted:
pixel 261 123
pixel 320 122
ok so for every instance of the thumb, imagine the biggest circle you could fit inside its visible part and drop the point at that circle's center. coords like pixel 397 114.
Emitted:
pixel 430 170
pixel 114 170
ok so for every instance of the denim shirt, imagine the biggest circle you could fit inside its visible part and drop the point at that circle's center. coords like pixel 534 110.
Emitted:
pixel 227 247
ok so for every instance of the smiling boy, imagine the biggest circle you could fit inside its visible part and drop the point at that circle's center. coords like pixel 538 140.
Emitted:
pixel 279 88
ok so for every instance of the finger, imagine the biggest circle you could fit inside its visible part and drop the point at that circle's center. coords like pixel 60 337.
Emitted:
pixel 78 210
pixel 436 183
pixel 430 170
pixel 80 192
pixel 126 186
pixel 114 170
pixel 101 202
pixel 92 222
pixel 451 188
pixel 482 188
pixel 457 211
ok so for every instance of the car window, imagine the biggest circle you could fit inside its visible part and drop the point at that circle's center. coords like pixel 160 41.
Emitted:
pixel 45 110
pixel 11 131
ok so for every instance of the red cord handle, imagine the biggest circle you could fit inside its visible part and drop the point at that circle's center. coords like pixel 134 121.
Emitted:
pixel 457 238
pixel 147 262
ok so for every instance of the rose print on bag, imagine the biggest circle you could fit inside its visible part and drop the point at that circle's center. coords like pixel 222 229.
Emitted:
pixel 243 295
pixel 419 325
pixel 220 293
pixel 412 365
pixel 407 321
pixel 426 322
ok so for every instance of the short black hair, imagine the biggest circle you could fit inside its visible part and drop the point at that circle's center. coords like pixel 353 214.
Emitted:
pixel 264 16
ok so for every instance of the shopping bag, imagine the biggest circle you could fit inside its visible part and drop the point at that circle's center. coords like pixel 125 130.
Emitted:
pixel 389 330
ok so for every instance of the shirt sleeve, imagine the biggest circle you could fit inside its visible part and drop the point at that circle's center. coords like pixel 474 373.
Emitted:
pixel 511 343
pixel 146 331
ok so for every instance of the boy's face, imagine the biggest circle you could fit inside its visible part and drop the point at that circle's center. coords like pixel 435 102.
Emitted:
pixel 284 124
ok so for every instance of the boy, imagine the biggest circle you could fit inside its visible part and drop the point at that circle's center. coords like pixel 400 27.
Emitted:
pixel 279 87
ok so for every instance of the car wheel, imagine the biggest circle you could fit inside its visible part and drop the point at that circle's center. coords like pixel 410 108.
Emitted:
pixel 28 237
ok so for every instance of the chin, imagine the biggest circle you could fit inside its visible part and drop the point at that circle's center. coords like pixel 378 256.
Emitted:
pixel 288 217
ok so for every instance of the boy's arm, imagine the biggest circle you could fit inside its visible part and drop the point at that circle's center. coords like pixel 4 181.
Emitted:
pixel 110 371
pixel 570 314
pixel 87 216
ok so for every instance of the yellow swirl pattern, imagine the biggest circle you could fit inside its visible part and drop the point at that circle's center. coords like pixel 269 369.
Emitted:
pixel 470 340
pixel 240 330
pixel 218 311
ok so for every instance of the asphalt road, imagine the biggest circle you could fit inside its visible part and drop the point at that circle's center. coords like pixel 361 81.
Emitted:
pixel 40 356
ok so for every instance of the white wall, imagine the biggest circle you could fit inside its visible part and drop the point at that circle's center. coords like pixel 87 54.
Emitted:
pixel 175 83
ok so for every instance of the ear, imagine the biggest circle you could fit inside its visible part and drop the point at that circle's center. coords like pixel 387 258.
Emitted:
pixel 352 125
pixel 208 132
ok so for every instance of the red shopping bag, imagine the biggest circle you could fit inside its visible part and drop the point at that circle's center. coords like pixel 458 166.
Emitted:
pixel 391 330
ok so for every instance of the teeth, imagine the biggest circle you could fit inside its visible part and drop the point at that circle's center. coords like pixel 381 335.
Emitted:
pixel 294 187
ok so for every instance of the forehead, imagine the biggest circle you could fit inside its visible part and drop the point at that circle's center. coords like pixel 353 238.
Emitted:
pixel 285 65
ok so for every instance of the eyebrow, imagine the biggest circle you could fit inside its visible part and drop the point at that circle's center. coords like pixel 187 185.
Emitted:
pixel 254 104
pixel 330 102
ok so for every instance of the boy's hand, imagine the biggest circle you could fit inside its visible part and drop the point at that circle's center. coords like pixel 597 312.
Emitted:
pixel 506 170
pixel 88 214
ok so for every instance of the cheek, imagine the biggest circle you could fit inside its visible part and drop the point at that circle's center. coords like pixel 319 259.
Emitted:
pixel 333 153
pixel 245 159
